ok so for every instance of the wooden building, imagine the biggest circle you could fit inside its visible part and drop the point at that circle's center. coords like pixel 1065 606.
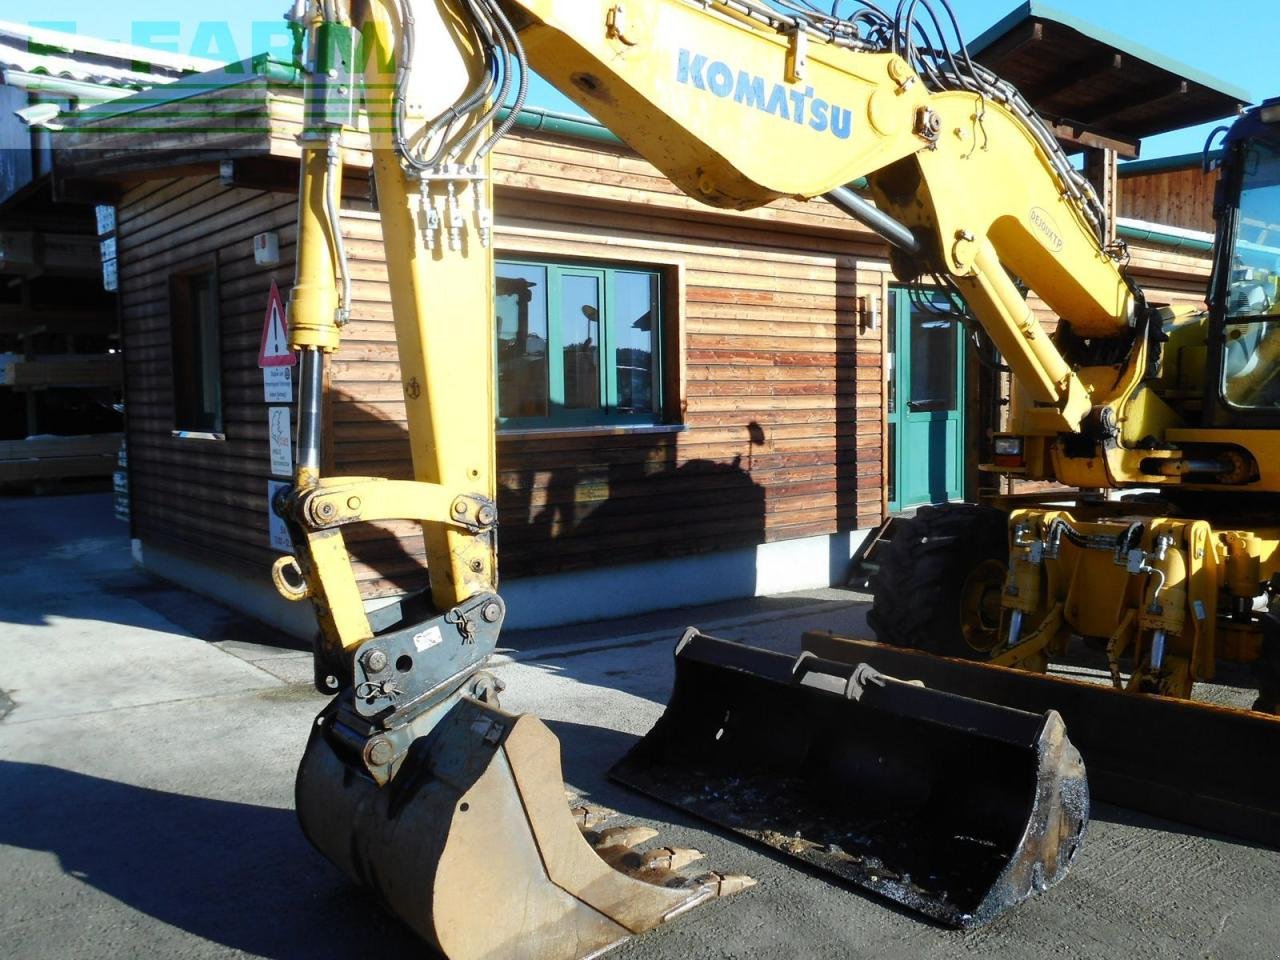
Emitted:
pixel 731 416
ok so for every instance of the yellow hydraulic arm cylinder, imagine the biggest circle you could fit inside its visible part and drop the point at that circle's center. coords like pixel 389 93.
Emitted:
pixel 441 285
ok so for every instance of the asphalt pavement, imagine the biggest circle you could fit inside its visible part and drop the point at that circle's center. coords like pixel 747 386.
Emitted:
pixel 148 741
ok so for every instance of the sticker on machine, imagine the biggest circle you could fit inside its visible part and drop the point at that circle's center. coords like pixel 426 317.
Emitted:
pixel 279 437
pixel 428 638
pixel 278 533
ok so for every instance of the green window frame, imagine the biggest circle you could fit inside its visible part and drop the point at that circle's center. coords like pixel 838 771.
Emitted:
pixel 590 367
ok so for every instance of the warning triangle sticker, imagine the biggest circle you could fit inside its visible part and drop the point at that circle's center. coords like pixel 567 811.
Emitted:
pixel 275 351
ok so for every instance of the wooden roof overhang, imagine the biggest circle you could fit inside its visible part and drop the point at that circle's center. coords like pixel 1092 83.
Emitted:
pixel 241 122
pixel 243 125
pixel 1097 89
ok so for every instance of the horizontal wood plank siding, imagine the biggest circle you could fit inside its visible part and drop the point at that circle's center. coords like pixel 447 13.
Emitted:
pixel 782 396
pixel 207 498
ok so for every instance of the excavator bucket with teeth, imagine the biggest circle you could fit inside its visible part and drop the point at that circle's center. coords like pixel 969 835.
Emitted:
pixel 471 840
pixel 954 808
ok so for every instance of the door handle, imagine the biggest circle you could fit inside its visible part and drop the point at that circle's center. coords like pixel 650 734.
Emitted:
pixel 929 406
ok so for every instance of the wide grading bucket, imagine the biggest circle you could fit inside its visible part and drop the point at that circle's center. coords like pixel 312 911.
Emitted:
pixel 954 808
pixel 1196 763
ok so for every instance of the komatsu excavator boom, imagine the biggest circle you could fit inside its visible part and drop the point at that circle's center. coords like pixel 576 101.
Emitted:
pixel 414 781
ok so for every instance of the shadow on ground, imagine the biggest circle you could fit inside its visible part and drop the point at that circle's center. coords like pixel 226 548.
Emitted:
pixel 74 561
pixel 236 874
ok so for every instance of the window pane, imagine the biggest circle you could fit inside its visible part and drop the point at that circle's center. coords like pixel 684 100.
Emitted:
pixel 635 331
pixel 1251 365
pixel 1251 354
pixel 197 352
pixel 1256 263
pixel 522 340
pixel 933 363
pixel 208 351
pixel 580 334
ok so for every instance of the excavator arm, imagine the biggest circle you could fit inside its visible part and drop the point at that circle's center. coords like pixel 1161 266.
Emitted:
pixel 414 780
pixel 740 105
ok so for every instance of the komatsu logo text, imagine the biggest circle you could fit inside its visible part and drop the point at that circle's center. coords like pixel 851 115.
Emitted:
pixel 798 104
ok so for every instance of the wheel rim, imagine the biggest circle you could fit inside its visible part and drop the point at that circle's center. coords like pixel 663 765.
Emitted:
pixel 980 606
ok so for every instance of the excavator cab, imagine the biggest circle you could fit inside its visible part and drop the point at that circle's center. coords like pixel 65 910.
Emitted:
pixel 1245 289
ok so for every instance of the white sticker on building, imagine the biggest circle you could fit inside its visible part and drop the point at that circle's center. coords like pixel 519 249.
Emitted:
pixel 280 436
pixel 277 384
pixel 106 215
pixel 279 532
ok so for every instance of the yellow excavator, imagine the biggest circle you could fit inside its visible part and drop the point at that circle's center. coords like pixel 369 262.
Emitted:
pixel 949 800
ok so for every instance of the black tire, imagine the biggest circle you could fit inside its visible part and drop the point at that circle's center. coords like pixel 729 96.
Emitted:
pixel 1267 669
pixel 919 586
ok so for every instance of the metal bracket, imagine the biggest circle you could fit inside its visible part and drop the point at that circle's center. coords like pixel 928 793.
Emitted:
pixel 616 26
pixel 798 52
pixel 344 500
pixel 331 81
pixel 449 173
pixel 408 669
pixel 863 674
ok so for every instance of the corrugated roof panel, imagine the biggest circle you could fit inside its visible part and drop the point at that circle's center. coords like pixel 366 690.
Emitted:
pixel 89 60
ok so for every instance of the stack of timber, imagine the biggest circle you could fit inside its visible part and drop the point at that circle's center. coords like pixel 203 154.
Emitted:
pixel 71 370
pixel 56 458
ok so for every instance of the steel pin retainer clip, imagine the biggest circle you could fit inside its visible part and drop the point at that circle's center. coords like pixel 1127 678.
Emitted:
pixel 863 675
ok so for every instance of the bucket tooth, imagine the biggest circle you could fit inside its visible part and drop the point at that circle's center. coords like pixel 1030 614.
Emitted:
pixel 726 884
pixel 588 817
pixel 660 866
pixel 471 842
pixel 954 808
pixel 671 858
pixel 628 836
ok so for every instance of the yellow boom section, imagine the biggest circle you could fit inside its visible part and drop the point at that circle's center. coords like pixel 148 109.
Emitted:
pixel 738 113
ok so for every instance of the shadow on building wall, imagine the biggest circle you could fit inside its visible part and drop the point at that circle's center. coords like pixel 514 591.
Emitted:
pixel 575 502
pixel 858 390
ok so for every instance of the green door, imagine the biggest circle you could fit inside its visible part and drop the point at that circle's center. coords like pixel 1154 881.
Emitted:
pixel 926 401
